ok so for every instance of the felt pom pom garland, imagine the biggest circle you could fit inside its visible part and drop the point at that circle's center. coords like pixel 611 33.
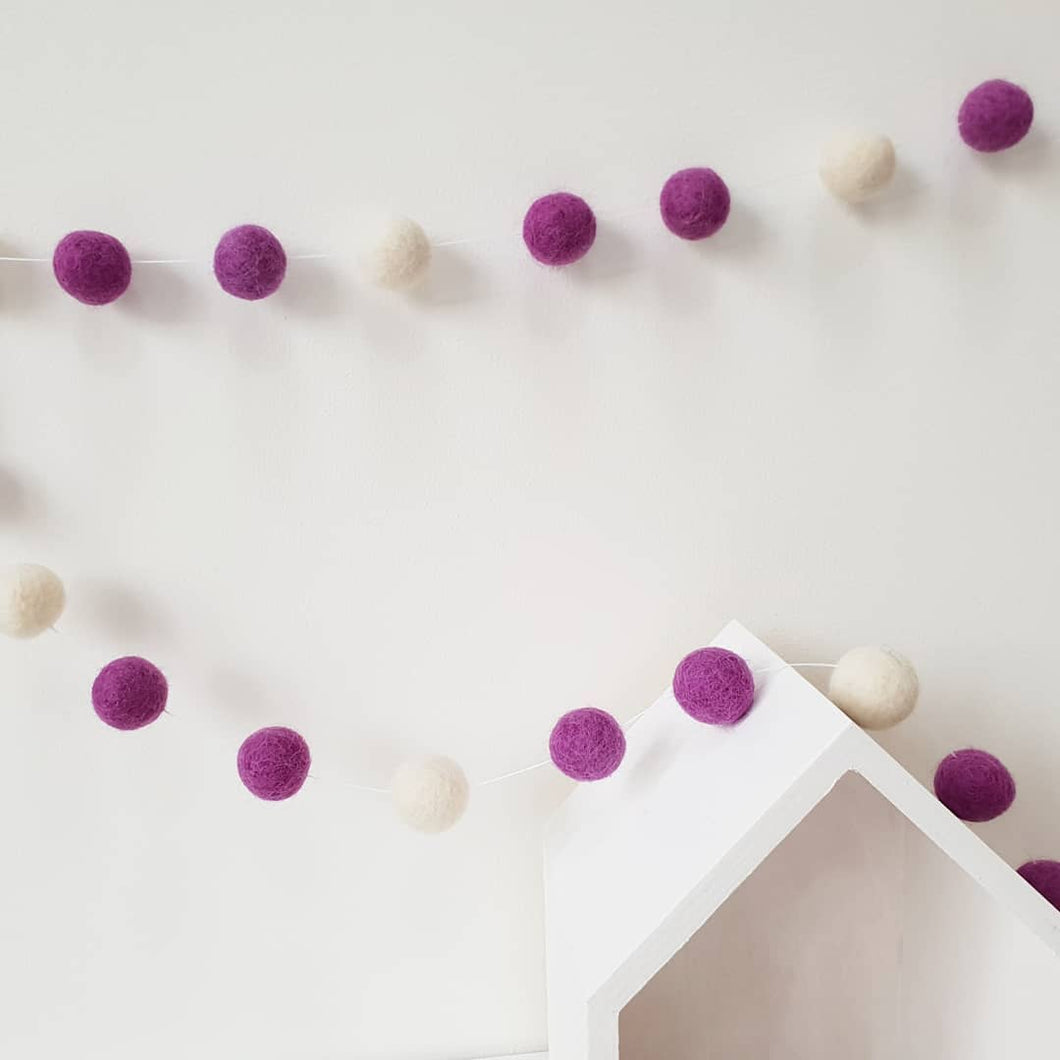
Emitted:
pixel 875 686
pixel 559 228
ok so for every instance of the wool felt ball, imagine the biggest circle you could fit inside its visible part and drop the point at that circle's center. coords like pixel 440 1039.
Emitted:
pixel 430 794
pixel 994 116
pixel 587 744
pixel 273 763
pixel 974 785
pixel 398 255
pixel 714 685
pixel 559 229
pixel 694 203
pixel 855 168
pixel 93 267
pixel 875 687
pixel 129 693
pixel 31 599
pixel 1044 877
pixel 249 262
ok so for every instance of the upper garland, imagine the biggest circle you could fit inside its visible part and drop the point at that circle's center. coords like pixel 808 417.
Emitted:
pixel 558 229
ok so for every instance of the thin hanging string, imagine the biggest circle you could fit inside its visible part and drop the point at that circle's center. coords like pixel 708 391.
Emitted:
pixel 512 774
pixel 185 261
pixel 763 670
pixel 548 761
pixel 794 666
pixel 508 233
pixel 182 718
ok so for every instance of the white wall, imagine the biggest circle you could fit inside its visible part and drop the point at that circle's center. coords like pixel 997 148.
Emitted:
pixel 435 524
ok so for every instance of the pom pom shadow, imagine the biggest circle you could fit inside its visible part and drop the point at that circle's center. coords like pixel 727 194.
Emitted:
pixel 743 236
pixel 901 199
pixel 24 285
pixel 117 612
pixel 159 293
pixel 243 698
pixel 1031 157
pixel 450 279
pixel 613 255
pixel 19 504
pixel 312 288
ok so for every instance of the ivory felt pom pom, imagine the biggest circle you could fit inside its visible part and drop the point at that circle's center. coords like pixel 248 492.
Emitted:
pixel 875 687
pixel 430 794
pixel 714 685
pixel 31 600
pixel 273 763
pixel 92 267
pixel 249 262
pixel 129 693
pixel 587 744
pixel 857 167
pixel 398 254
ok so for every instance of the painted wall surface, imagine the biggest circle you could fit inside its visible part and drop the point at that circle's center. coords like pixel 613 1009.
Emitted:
pixel 434 523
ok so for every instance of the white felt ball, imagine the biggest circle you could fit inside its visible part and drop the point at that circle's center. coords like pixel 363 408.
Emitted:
pixel 31 600
pixel 857 167
pixel 398 254
pixel 430 794
pixel 875 687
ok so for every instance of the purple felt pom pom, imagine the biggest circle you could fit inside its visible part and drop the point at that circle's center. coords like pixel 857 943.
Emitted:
pixel 587 744
pixel 273 763
pixel 1044 877
pixel 249 262
pixel 694 203
pixel 974 785
pixel 714 685
pixel 92 266
pixel 559 229
pixel 129 693
pixel 995 115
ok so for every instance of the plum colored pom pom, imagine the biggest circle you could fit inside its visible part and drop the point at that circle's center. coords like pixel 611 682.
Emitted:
pixel 92 267
pixel 249 262
pixel 1044 877
pixel 694 203
pixel 273 763
pixel 430 794
pixel 587 744
pixel 559 229
pixel 974 785
pixel 995 115
pixel 129 693
pixel 31 599
pixel 714 685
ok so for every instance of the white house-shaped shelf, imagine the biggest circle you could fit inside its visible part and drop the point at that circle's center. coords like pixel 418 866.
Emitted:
pixel 784 890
